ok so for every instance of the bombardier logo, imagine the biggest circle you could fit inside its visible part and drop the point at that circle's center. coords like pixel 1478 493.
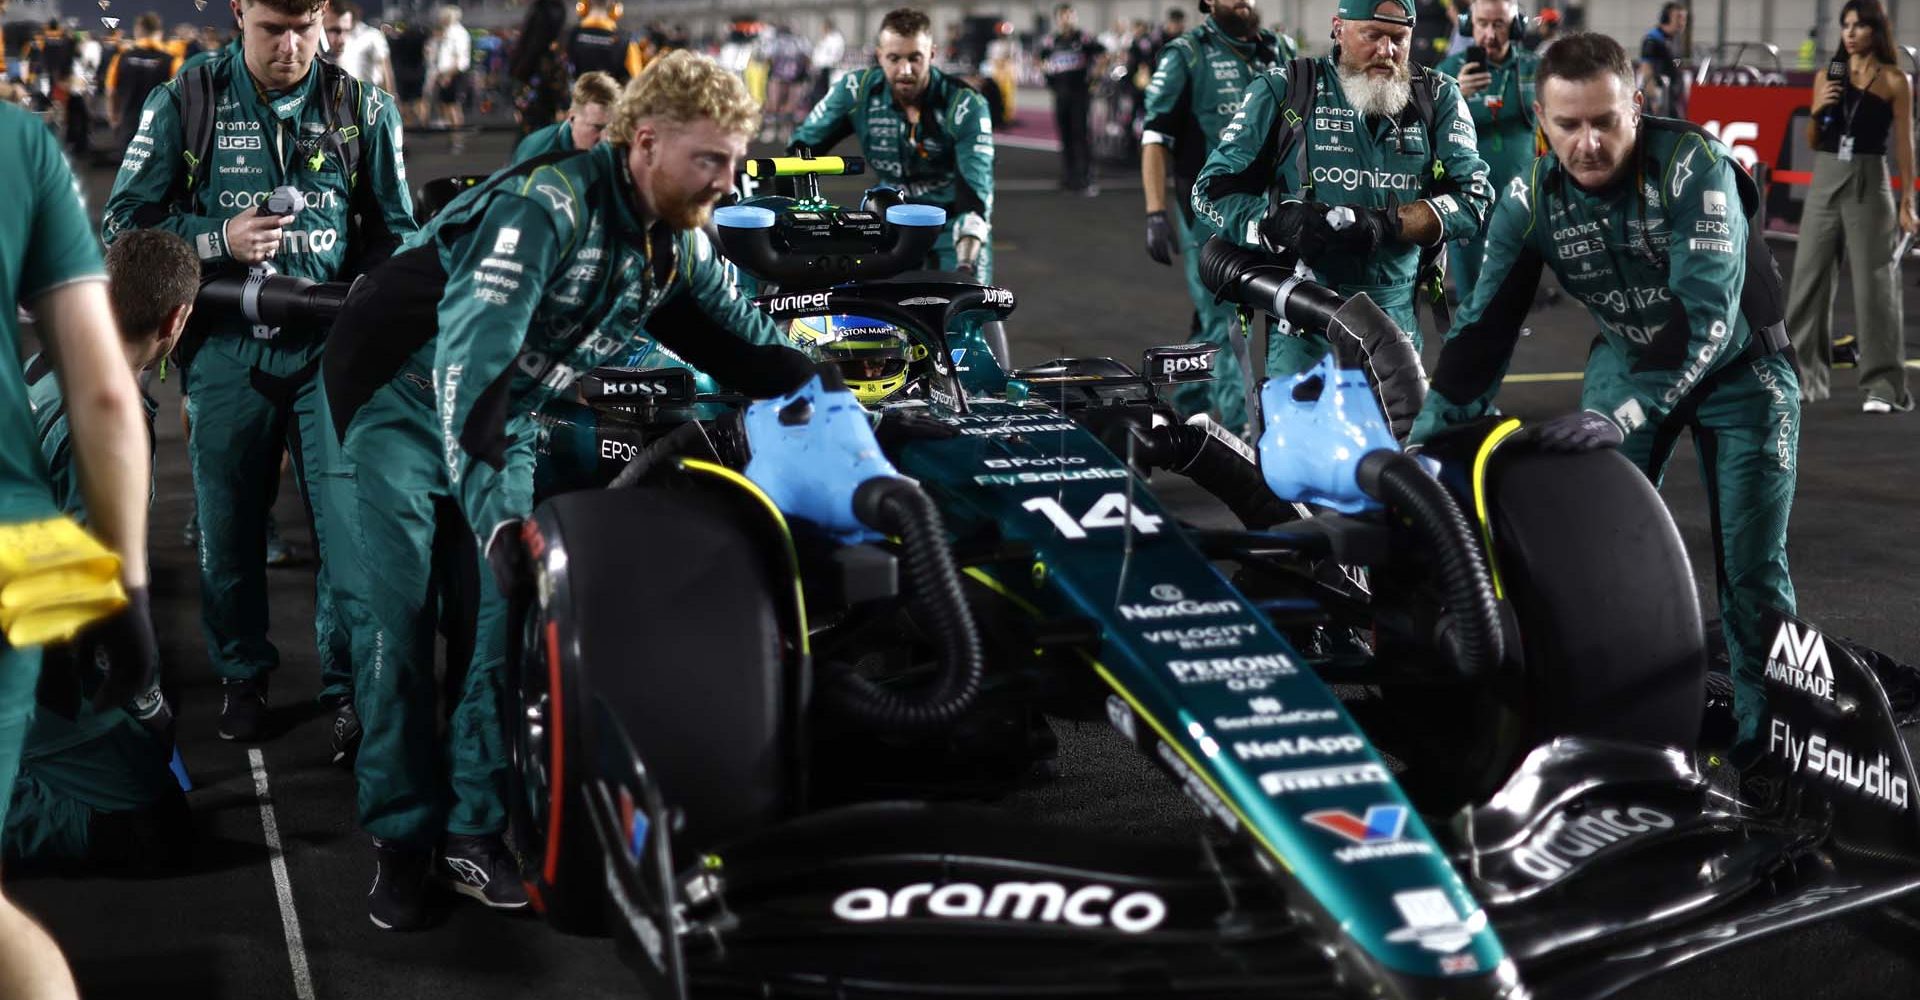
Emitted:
pixel 1553 852
pixel 1090 906
pixel 809 301
pixel 1799 660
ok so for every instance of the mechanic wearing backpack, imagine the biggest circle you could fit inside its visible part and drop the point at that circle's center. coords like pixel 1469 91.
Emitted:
pixel 1644 219
pixel 210 147
pixel 922 131
pixel 517 288
pixel 1361 128
pixel 1499 93
pixel 1196 87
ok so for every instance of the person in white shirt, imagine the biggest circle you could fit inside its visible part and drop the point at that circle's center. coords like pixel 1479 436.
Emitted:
pixel 449 57
pixel 358 47
pixel 827 53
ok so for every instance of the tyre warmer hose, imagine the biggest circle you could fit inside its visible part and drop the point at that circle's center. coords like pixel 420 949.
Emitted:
pixel 898 507
pixel 1218 469
pixel 1476 641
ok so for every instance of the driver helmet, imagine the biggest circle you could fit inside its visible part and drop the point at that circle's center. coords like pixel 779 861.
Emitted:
pixel 873 355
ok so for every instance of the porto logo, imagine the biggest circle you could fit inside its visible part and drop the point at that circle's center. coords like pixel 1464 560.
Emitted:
pixel 1799 660
pixel 1378 834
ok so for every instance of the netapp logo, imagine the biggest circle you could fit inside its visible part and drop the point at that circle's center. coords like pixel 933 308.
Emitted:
pixel 1323 778
pixel 1048 902
pixel 1552 852
pixel 799 303
pixel 1799 660
pixel 1299 746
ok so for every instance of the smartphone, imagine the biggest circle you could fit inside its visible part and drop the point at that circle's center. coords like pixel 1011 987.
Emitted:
pixel 1477 56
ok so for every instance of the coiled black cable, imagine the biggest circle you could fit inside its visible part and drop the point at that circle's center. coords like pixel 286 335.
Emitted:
pixel 898 507
pixel 1478 644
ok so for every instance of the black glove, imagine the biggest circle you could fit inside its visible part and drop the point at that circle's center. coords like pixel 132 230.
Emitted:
pixel 1160 242
pixel 1299 226
pixel 899 427
pixel 1373 230
pixel 133 655
pixel 1585 430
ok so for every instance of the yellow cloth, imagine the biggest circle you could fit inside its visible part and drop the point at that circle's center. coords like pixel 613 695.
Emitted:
pixel 55 579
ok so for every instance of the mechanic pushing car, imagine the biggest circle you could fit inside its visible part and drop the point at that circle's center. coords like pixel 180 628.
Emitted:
pixel 50 264
pixel 433 372
pixel 1199 82
pixel 1644 219
pixel 211 146
pixel 1496 77
pixel 1360 128
pixel 923 132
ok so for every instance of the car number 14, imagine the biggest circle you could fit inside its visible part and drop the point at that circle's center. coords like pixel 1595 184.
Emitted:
pixel 1114 510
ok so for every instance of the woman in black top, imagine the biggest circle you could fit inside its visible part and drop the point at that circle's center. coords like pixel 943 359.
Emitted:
pixel 1856 120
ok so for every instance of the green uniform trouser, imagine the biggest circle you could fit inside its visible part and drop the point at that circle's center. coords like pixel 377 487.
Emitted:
pixel 1745 421
pixel 418 560
pixel 1850 204
pixel 246 398
pixel 73 769
pixel 1224 398
pixel 945 258
pixel 1293 355
pixel 19 674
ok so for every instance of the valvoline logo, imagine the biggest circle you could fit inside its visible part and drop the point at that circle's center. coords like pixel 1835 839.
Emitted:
pixel 1380 823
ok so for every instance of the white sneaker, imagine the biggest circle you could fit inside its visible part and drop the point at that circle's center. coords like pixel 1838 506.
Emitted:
pixel 1875 404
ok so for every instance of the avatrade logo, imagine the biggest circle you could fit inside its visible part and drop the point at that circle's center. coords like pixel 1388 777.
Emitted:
pixel 1880 779
pixel 1090 906
pixel 1799 660
pixel 1378 834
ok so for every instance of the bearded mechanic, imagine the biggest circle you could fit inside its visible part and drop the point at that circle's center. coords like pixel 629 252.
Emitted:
pixel 1197 86
pixel 1644 220
pixel 436 366
pixel 923 132
pixel 1500 94
pixel 278 117
pixel 1361 143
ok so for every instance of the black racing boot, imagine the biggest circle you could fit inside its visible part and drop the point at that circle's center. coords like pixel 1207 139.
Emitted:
pixel 243 708
pixel 397 901
pixel 483 868
pixel 346 734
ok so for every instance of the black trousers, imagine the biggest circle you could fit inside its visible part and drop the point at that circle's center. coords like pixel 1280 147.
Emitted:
pixel 1071 109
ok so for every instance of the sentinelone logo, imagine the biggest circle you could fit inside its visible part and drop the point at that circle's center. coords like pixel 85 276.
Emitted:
pixel 1799 659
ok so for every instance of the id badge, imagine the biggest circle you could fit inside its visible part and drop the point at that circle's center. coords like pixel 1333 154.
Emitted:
pixel 1846 149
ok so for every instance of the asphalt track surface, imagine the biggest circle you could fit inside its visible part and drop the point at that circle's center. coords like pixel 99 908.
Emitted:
pixel 1085 287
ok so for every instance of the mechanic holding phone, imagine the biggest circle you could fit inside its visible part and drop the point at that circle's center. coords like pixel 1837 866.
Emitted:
pixel 1388 142
pixel 1199 83
pixel 1644 220
pixel 1496 75
pixel 432 374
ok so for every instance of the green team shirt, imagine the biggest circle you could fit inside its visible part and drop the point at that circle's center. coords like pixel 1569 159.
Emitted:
pixel 45 242
pixel 1197 86
pixel 555 138
pixel 1503 113
pixel 945 160
pixel 1347 159
pixel 1659 260
pixel 56 442
pixel 532 279
pixel 260 142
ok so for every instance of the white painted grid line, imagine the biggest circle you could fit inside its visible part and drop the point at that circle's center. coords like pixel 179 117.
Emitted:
pixel 282 883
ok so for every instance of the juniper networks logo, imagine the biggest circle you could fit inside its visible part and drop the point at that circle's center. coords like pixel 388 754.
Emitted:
pixel 1799 660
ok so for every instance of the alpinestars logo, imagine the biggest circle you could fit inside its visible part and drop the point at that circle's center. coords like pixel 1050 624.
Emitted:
pixel 468 872
pixel 1799 660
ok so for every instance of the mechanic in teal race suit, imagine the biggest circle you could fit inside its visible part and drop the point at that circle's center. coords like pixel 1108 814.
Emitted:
pixel 1499 93
pixel 434 371
pixel 1644 220
pixel 94 784
pixel 50 264
pixel 278 117
pixel 1360 143
pixel 923 132
pixel 585 124
pixel 1197 86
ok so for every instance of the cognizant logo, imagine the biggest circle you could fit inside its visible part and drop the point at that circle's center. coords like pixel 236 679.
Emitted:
pixel 1355 178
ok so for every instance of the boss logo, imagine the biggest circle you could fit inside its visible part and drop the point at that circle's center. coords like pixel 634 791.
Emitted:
pixel 799 303
pixel 1181 365
pixel 636 388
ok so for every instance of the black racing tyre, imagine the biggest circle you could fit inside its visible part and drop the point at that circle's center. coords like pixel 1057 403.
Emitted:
pixel 562 875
